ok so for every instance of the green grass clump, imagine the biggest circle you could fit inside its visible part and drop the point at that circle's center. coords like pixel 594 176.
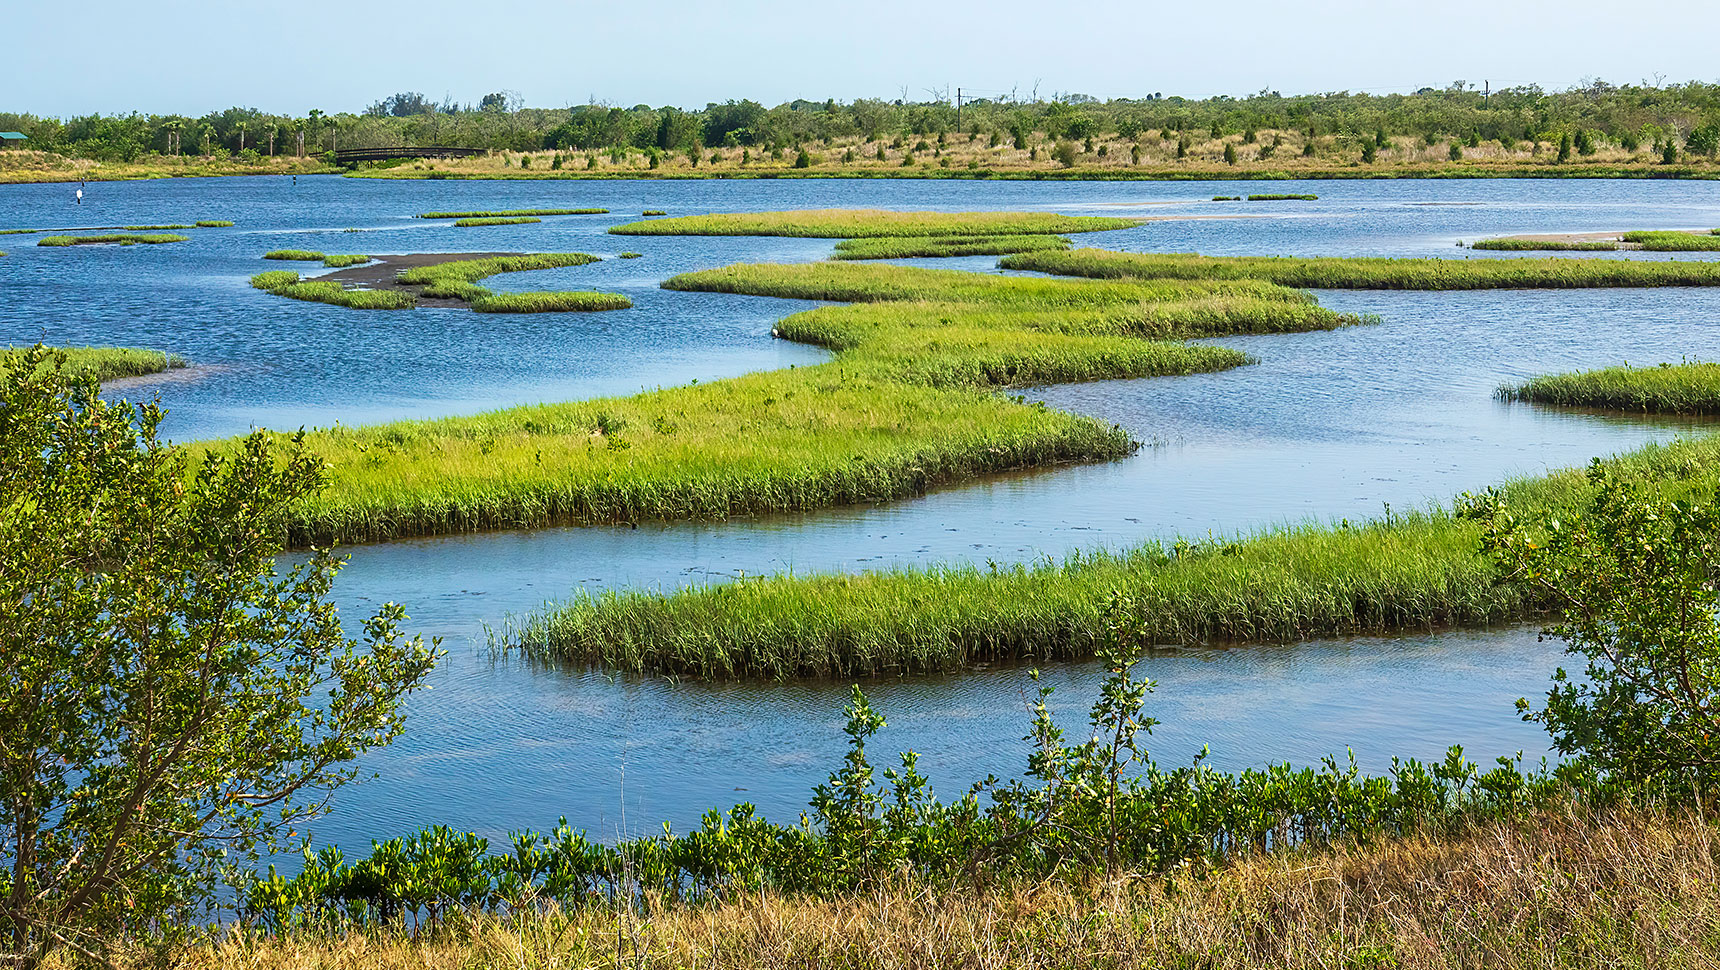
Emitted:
pixel 123 239
pixel 171 225
pixel 902 247
pixel 1674 242
pixel 457 279
pixel 18 232
pixel 1549 245
pixel 214 223
pixel 1420 571
pixel 557 302
pixel 1374 273
pixel 1688 388
pixel 653 212
pixel 325 291
pixel 341 261
pixel 908 404
pixel 285 282
pixel 865 223
pixel 1283 197
pixel 107 363
pixel 628 255
pixel 297 255
pixel 497 221
pixel 274 279
pixel 507 213
pixel 1227 198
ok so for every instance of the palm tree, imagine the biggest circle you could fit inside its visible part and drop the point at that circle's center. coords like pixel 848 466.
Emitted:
pixel 315 116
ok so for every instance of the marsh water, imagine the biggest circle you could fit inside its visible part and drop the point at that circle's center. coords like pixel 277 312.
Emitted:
pixel 1326 426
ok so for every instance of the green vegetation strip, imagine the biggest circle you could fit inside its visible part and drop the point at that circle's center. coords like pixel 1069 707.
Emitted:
pixel 1374 273
pixel 171 225
pixel 506 213
pixel 556 302
pixel 1547 245
pixel 497 221
pixel 907 404
pixel 1674 242
pixel 1688 388
pixel 866 223
pixel 106 363
pixel 1420 571
pixel 214 223
pixel 338 261
pixel 902 247
pixel 120 238
pixel 1280 197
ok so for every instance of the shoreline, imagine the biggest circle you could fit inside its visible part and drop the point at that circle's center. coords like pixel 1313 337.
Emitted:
pixel 1454 171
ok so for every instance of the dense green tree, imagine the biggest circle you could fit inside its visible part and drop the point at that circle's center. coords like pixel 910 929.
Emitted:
pixel 173 703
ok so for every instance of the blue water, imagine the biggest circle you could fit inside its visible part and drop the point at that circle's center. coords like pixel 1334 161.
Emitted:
pixel 1328 425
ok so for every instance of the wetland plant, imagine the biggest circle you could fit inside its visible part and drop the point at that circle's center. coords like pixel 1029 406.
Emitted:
pixel 117 238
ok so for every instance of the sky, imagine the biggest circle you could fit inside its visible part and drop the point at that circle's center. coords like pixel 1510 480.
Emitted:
pixel 194 56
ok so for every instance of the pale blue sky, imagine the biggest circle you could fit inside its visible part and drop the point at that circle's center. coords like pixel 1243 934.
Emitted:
pixel 193 56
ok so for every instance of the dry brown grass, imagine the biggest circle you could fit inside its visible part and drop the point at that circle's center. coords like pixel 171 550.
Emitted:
pixel 1333 156
pixel 1633 890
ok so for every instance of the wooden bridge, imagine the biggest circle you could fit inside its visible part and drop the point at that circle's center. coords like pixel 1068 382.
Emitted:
pixel 350 155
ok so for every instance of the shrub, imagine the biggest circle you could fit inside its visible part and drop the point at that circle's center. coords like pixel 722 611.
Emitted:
pixel 1229 154
pixel 803 160
pixel 184 705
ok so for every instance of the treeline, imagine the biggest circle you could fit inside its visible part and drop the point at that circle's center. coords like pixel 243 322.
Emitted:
pixel 1626 116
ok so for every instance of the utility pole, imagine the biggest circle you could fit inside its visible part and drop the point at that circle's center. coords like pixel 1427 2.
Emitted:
pixel 1486 93
pixel 958 110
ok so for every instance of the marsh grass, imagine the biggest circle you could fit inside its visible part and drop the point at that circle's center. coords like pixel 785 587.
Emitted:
pixel 117 238
pixel 1283 197
pixel 1227 198
pixel 907 404
pixel 1421 571
pixel 556 302
pixel 1558 890
pixel 324 291
pixel 867 223
pixel 171 225
pixel 1548 245
pixel 1687 388
pixel 628 255
pixel 903 247
pixel 274 279
pixel 653 212
pixel 496 221
pixel 338 261
pixel 511 213
pixel 1373 273
pixel 107 363
pixel 18 232
pixel 214 223
pixel 1673 242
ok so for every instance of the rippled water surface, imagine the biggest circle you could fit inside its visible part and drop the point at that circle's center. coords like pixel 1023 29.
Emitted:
pixel 1328 425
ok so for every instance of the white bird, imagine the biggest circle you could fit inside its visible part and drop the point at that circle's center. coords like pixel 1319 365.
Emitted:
pixel 80 197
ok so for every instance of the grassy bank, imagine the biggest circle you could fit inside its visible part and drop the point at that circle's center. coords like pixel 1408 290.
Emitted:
pixel 1419 571
pixel 336 261
pixel 552 302
pixel 1555 891
pixel 1689 388
pixel 1374 273
pixel 510 213
pixel 870 223
pixel 18 167
pixel 1674 242
pixel 109 363
pixel 285 282
pixel 117 238
pixel 904 247
pixel 907 404
pixel 495 221
pixel 1543 245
